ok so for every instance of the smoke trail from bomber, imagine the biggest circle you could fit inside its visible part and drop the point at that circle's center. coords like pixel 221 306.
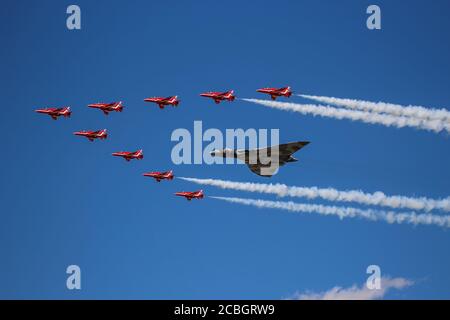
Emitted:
pixel 330 194
pixel 382 107
pixel 355 115
pixel 346 212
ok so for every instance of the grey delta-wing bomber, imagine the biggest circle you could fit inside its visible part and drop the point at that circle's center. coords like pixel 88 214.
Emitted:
pixel 264 161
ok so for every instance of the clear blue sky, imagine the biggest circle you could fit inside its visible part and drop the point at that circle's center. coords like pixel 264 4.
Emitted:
pixel 68 201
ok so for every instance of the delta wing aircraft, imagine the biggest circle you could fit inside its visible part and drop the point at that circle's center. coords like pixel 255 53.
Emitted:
pixel 264 161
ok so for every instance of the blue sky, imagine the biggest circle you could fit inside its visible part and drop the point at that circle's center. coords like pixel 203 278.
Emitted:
pixel 68 201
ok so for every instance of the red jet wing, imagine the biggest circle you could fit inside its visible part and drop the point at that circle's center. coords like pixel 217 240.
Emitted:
pixel 162 102
pixel 274 92
pixel 191 195
pixel 220 96
pixel 139 155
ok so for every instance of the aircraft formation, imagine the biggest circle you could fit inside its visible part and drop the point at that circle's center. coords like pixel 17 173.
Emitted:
pixel 258 165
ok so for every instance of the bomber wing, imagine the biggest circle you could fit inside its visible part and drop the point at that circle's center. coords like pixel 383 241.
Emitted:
pixel 259 160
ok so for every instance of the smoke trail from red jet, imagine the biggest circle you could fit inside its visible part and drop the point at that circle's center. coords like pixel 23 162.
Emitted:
pixel 356 115
pixel 387 108
pixel 330 194
pixel 346 212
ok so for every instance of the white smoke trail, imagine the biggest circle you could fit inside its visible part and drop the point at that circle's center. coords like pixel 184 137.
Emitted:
pixel 377 199
pixel 346 212
pixel 355 115
pixel 382 107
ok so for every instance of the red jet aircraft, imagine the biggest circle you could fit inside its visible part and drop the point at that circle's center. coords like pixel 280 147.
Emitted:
pixel 91 135
pixel 56 112
pixel 162 102
pixel 191 195
pixel 107 107
pixel 168 175
pixel 274 92
pixel 130 155
pixel 219 96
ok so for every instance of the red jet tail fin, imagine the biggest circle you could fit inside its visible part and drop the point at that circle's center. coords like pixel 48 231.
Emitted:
pixel 288 91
